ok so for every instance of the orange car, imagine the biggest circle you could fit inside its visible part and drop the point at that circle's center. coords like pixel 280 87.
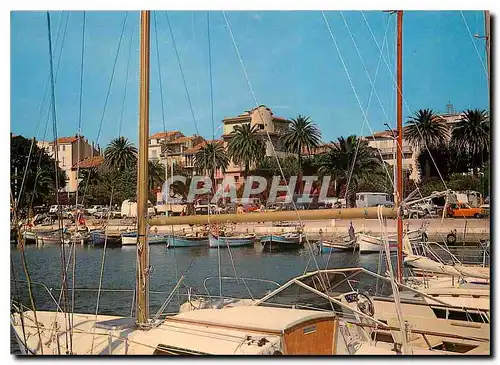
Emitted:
pixel 462 210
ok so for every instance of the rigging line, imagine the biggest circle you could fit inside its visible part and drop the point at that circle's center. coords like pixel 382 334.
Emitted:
pixel 40 109
pixel 213 127
pixel 182 73
pixel 54 128
pixel 404 100
pixel 126 82
pixel 474 43
pixel 80 109
pixel 106 100
pixel 365 117
pixel 159 74
pixel 369 100
pixel 101 274
pixel 269 138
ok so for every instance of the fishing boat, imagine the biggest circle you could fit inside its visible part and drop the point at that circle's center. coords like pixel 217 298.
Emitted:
pixel 368 243
pixel 130 238
pixel 98 238
pixel 247 239
pixel 346 244
pixel 283 241
pixel 187 240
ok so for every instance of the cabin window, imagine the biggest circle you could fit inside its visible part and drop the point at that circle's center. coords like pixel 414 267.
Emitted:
pixel 310 329
pixel 383 337
pixel 440 313
pixel 455 347
pixel 457 315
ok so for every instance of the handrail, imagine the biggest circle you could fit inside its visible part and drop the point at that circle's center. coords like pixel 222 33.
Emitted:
pixel 236 279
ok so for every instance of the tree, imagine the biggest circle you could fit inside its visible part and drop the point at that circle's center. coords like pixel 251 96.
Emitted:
pixel 426 130
pixel 156 174
pixel 472 135
pixel 120 154
pixel 210 158
pixel 246 146
pixel 301 135
pixel 350 168
pixel 39 184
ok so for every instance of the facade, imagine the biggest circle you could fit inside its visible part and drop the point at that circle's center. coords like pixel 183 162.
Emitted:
pixel 71 150
pixel 267 123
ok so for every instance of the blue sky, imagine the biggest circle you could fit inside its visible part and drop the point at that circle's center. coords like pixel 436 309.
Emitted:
pixel 290 59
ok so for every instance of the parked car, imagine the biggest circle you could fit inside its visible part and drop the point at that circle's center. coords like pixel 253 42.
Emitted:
pixel 462 210
pixel 101 213
pixel 53 209
pixel 92 210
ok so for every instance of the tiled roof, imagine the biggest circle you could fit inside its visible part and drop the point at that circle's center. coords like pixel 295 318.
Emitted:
pixel 183 139
pixel 67 139
pixel 193 150
pixel 90 162
pixel 164 134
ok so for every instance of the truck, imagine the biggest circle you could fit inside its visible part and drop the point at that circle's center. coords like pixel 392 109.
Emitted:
pixel 367 200
pixel 129 209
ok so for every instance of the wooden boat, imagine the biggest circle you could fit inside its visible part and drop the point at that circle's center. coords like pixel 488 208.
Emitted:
pixel 130 238
pixel 187 240
pixel 337 246
pixel 98 238
pixel 290 239
pixel 368 243
pixel 231 241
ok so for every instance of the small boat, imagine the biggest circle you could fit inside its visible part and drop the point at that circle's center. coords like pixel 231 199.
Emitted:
pixel 331 246
pixel 285 240
pixel 30 237
pixel 368 243
pixel 237 240
pixel 130 238
pixel 98 238
pixel 187 240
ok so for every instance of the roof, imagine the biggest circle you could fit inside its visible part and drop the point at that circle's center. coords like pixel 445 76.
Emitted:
pixel 254 317
pixel 183 139
pixel 200 145
pixel 64 140
pixel 164 134
pixel 90 162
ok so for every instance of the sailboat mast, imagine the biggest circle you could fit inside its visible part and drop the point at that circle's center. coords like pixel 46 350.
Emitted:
pixel 399 159
pixel 142 280
pixel 488 40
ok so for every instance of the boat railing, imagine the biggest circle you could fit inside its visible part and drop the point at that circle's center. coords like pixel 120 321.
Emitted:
pixel 232 278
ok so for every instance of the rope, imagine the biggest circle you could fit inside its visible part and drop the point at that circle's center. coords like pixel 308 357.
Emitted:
pixel 126 78
pixel 182 73
pixel 54 129
pixel 404 100
pixel 101 272
pixel 372 91
pixel 474 43
pixel 269 139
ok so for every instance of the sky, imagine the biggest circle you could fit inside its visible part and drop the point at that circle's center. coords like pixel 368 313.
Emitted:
pixel 290 59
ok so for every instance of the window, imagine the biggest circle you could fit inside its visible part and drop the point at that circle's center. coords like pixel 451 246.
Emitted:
pixel 64 161
pixel 64 148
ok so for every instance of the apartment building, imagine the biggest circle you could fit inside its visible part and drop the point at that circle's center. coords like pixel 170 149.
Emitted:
pixel 71 150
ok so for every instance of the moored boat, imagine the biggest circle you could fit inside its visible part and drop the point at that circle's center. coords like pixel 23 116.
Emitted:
pixel 237 240
pixel 368 243
pixel 290 240
pixel 187 240
pixel 130 238
pixel 332 246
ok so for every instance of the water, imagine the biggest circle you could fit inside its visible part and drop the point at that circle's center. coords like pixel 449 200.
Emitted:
pixel 195 263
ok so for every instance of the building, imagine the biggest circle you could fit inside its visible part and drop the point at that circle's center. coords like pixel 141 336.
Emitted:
pixel 71 150
pixel 156 141
pixel 267 123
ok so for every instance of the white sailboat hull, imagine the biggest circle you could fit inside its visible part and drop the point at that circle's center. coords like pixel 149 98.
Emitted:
pixel 368 243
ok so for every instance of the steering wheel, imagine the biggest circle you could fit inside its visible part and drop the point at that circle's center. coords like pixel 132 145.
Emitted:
pixel 365 305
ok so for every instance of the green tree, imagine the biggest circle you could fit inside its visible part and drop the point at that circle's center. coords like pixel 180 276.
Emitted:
pixel 426 130
pixel 246 146
pixel 472 135
pixel 156 174
pixel 350 168
pixel 210 158
pixel 120 154
pixel 39 181
pixel 302 135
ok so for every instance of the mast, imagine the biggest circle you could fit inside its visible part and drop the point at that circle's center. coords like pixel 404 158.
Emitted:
pixel 142 280
pixel 399 160
pixel 487 39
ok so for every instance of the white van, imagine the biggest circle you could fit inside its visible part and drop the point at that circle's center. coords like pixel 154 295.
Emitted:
pixel 129 209
pixel 367 200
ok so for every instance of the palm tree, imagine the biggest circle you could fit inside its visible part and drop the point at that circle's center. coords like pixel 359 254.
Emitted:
pixel 209 158
pixel 120 154
pixel 472 135
pixel 156 174
pixel 246 146
pixel 426 130
pixel 302 134
pixel 348 167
